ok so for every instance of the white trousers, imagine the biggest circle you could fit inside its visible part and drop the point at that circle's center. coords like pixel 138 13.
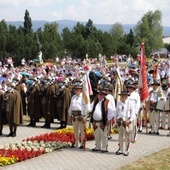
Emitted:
pixel 100 136
pixel 124 139
pixel 154 121
pixel 163 119
pixel 134 131
pixel 168 120
pixel 140 119
pixel 78 129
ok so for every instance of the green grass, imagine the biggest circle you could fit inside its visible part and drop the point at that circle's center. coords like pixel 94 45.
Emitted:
pixel 157 161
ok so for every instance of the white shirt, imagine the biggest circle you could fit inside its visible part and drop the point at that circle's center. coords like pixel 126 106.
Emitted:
pixel 76 104
pixel 154 96
pixel 97 114
pixel 135 98
pixel 23 61
pixel 125 110
pixel 165 94
pixel 112 100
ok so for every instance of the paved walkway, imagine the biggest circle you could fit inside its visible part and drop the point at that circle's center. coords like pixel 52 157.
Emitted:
pixel 71 158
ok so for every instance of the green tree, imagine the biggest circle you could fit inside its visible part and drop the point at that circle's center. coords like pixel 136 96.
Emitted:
pixel 3 38
pixel 107 43
pixel 130 38
pixel 51 40
pixel 117 31
pixel 27 23
pixel 149 30
pixel 167 46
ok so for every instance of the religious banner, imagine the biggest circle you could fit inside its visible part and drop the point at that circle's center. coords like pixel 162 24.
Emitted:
pixel 86 92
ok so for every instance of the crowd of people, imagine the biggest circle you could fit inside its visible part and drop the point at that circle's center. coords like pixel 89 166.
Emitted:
pixel 55 91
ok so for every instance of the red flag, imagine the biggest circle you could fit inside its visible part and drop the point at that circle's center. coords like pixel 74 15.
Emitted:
pixel 143 85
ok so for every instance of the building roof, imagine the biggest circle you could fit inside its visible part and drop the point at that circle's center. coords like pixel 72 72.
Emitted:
pixel 166 40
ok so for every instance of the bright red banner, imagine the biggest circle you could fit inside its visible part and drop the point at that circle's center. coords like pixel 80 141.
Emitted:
pixel 143 85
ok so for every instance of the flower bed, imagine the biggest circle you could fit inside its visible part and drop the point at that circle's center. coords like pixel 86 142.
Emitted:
pixel 38 145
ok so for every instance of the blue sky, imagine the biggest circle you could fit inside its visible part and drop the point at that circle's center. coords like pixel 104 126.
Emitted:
pixel 99 11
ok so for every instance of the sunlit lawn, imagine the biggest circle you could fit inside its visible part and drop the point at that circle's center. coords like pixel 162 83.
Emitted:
pixel 157 161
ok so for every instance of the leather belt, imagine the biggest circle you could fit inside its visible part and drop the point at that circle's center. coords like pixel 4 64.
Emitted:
pixel 76 113
pixel 97 121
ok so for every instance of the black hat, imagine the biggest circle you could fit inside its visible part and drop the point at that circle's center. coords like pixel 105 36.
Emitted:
pixel 47 78
pixel 156 82
pixel 108 87
pixel 164 86
pixel 34 78
pixel 10 84
pixel 100 89
pixel 136 82
pixel 131 85
pixel 124 93
pixel 78 85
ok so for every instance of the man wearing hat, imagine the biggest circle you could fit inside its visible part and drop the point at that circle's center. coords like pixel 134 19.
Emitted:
pixel 33 99
pixel 3 119
pixel 124 117
pixel 166 99
pixel 21 87
pixel 43 96
pixel 141 109
pixel 154 116
pixel 13 108
pixel 62 102
pixel 49 105
pixel 135 98
pixel 166 104
pixel 102 113
pixel 76 114
pixel 109 95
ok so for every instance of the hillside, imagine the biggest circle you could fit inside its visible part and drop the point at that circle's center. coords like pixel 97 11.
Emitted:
pixel 70 24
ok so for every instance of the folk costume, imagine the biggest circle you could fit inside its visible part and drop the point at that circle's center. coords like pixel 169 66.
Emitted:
pixel 154 97
pixel 124 118
pixel 77 116
pixel 135 99
pixel 108 90
pixel 101 115
pixel 165 101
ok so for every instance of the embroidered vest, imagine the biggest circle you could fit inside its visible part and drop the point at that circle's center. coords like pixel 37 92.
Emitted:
pixel 104 107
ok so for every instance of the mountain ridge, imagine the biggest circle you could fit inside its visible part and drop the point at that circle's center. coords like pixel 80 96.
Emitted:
pixel 71 23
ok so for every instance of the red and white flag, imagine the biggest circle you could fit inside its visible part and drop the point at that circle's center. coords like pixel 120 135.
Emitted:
pixel 143 85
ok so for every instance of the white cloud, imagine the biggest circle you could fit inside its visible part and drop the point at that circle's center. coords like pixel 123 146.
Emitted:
pixel 57 15
pixel 100 11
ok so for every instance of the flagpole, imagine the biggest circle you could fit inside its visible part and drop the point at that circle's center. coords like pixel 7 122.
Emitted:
pixel 146 113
